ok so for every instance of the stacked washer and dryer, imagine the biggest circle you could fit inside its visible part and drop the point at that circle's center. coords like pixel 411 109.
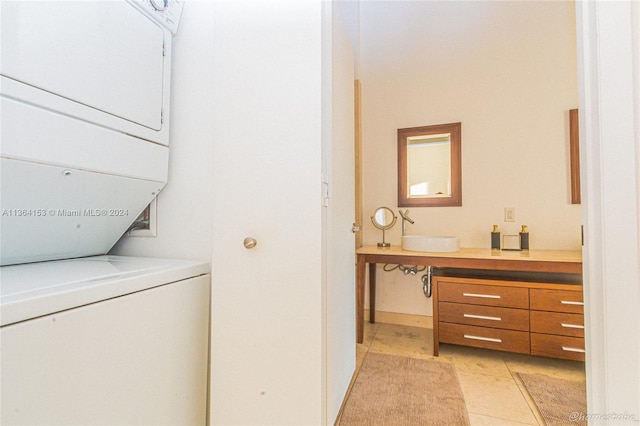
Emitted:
pixel 89 338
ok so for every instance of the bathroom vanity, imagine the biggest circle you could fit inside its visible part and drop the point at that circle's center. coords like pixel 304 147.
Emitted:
pixel 517 301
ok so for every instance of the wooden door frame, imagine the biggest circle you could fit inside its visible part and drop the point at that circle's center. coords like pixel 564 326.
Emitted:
pixel 358 160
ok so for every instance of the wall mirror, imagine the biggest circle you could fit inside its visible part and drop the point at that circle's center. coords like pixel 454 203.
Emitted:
pixel 429 166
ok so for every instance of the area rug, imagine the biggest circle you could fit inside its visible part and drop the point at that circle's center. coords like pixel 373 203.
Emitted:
pixel 395 390
pixel 560 401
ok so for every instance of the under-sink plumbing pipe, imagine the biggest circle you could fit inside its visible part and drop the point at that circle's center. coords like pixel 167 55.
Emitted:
pixel 413 270
pixel 426 282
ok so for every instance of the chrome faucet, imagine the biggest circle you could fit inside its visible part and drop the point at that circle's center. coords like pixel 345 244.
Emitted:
pixel 405 218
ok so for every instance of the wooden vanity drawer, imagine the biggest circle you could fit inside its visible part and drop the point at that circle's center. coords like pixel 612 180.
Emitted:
pixel 557 300
pixel 557 346
pixel 483 337
pixel 557 323
pixel 484 316
pixel 477 294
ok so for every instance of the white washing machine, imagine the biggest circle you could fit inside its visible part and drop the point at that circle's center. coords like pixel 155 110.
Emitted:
pixel 104 340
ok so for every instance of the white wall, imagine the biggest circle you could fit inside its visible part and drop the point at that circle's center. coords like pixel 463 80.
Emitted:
pixel 507 71
pixel 185 206
pixel 609 43
pixel 280 353
pixel 338 94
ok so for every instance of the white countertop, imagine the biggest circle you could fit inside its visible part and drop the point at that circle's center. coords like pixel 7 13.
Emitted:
pixel 35 289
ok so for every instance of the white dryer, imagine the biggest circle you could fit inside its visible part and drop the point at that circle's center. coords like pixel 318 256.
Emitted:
pixel 84 104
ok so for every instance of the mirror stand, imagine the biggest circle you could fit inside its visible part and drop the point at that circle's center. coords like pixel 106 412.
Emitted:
pixel 383 243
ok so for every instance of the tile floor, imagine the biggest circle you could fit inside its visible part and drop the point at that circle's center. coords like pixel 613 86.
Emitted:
pixel 493 392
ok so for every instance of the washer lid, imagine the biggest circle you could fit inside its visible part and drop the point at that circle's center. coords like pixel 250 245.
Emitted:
pixel 36 289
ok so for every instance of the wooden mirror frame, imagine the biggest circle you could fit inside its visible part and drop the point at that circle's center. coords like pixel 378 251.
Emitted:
pixel 456 166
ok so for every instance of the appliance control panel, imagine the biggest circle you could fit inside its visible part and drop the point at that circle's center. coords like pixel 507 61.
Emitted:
pixel 166 12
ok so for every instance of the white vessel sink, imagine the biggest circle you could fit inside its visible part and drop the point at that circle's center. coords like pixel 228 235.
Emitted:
pixel 429 243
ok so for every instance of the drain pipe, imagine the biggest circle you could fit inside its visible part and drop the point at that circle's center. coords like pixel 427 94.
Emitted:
pixel 426 282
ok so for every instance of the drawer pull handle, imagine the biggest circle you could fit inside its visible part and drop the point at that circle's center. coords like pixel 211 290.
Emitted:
pixel 486 296
pixel 482 317
pixel 570 349
pixel 570 302
pixel 486 339
pixel 572 325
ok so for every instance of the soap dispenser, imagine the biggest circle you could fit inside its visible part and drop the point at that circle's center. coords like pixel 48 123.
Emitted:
pixel 524 238
pixel 495 238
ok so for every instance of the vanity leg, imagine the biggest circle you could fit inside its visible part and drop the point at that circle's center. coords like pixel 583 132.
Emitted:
pixel 372 293
pixel 360 277
pixel 436 318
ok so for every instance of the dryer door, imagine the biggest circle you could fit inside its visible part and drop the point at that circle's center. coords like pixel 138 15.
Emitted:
pixel 104 55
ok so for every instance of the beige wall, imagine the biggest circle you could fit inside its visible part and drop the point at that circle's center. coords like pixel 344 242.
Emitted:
pixel 507 71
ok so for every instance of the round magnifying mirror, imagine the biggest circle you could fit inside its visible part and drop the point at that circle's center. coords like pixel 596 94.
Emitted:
pixel 383 218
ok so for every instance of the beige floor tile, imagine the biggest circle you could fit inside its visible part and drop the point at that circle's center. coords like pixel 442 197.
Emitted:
pixel 495 397
pixel 480 420
pixel 563 369
pixel 403 340
pixel 361 353
pixel 405 331
pixel 527 397
pixel 476 360
pixel 369 333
